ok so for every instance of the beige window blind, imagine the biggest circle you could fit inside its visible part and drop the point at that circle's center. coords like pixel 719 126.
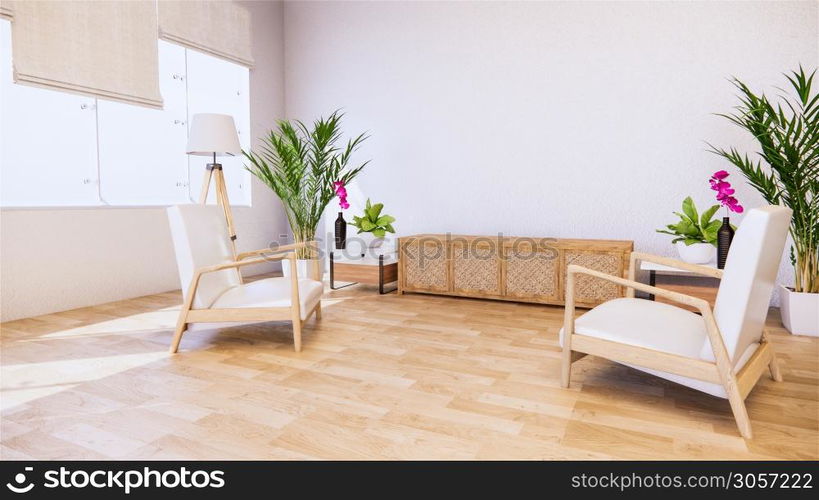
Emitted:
pixel 219 28
pixel 105 49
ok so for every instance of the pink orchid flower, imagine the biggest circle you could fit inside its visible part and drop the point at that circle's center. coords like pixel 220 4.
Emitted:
pixel 725 191
pixel 341 192
pixel 734 205
pixel 722 187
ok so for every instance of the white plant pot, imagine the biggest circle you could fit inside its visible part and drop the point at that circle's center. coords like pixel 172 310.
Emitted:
pixel 698 253
pixel 375 243
pixel 800 311
pixel 303 267
pixel 367 243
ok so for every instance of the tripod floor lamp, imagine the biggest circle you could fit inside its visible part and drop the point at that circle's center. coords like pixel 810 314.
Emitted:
pixel 215 135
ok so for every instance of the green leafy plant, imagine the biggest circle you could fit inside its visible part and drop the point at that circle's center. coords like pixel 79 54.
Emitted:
pixel 692 227
pixel 785 170
pixel 300 164
pixel 373 221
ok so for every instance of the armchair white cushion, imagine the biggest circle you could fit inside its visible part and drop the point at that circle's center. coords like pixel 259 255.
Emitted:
pixel 708 351
pixel 271 292
pixel 212 287
pixel 657 326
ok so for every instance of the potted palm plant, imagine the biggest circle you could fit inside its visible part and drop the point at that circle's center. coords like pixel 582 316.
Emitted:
pixel 785 171
pixel 301 164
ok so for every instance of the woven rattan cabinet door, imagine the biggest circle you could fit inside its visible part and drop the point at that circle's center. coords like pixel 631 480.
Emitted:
pixel 425 266
pixel 588 290
pixel 531 272
pixel 475 268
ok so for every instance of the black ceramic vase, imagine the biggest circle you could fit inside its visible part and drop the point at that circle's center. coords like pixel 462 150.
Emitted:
pixel 724 237
pixel 341 232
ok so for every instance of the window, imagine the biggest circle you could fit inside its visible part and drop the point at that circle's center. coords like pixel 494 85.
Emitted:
pixel 60 149
pixel 141 150
pixel 48 150
pixel 219 86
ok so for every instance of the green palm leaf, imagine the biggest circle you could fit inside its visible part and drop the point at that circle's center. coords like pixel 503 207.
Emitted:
pixel 785 169
pixel 300 163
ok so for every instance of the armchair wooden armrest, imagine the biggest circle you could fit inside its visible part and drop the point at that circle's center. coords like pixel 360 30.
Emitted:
pixel 284 248
pixel 572 269
pixel 666 261
pixel 240 263
pixel 197 275
pixel 270 254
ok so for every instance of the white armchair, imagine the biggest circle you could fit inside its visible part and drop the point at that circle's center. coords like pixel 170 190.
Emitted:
pixel 212 285
pixel 721 352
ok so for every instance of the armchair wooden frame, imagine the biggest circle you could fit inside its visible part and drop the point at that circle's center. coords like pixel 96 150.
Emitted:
pixel 737 385
pixel 293 312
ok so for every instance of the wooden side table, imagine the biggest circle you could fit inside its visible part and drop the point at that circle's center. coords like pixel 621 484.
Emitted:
pixel 703 287
pixel 376 270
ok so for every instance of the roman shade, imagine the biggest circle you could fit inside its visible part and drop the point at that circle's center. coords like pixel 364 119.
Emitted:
pixel 105 49
pixel 218 28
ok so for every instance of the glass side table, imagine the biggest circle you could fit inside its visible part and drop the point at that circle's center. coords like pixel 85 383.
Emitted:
pixel 380 270
pixel 696 285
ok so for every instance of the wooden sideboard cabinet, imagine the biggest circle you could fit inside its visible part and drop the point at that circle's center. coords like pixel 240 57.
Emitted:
pixel 510 268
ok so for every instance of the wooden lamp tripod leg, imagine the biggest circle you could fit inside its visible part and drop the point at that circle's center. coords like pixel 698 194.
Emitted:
pixel 222 199
pixel 203 194
pixel 214 171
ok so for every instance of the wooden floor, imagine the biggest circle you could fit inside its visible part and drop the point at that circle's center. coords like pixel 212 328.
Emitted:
pixel 380 377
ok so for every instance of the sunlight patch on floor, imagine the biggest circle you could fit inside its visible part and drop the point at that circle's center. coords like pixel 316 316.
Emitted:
pixel 26 382
pixel 154 320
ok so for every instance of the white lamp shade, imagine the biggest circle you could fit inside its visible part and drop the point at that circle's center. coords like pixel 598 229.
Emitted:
pixel 213 133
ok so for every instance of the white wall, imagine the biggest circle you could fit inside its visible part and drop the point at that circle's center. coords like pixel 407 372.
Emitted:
pixel 53 260
pixel 546 119
pixel 563 119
